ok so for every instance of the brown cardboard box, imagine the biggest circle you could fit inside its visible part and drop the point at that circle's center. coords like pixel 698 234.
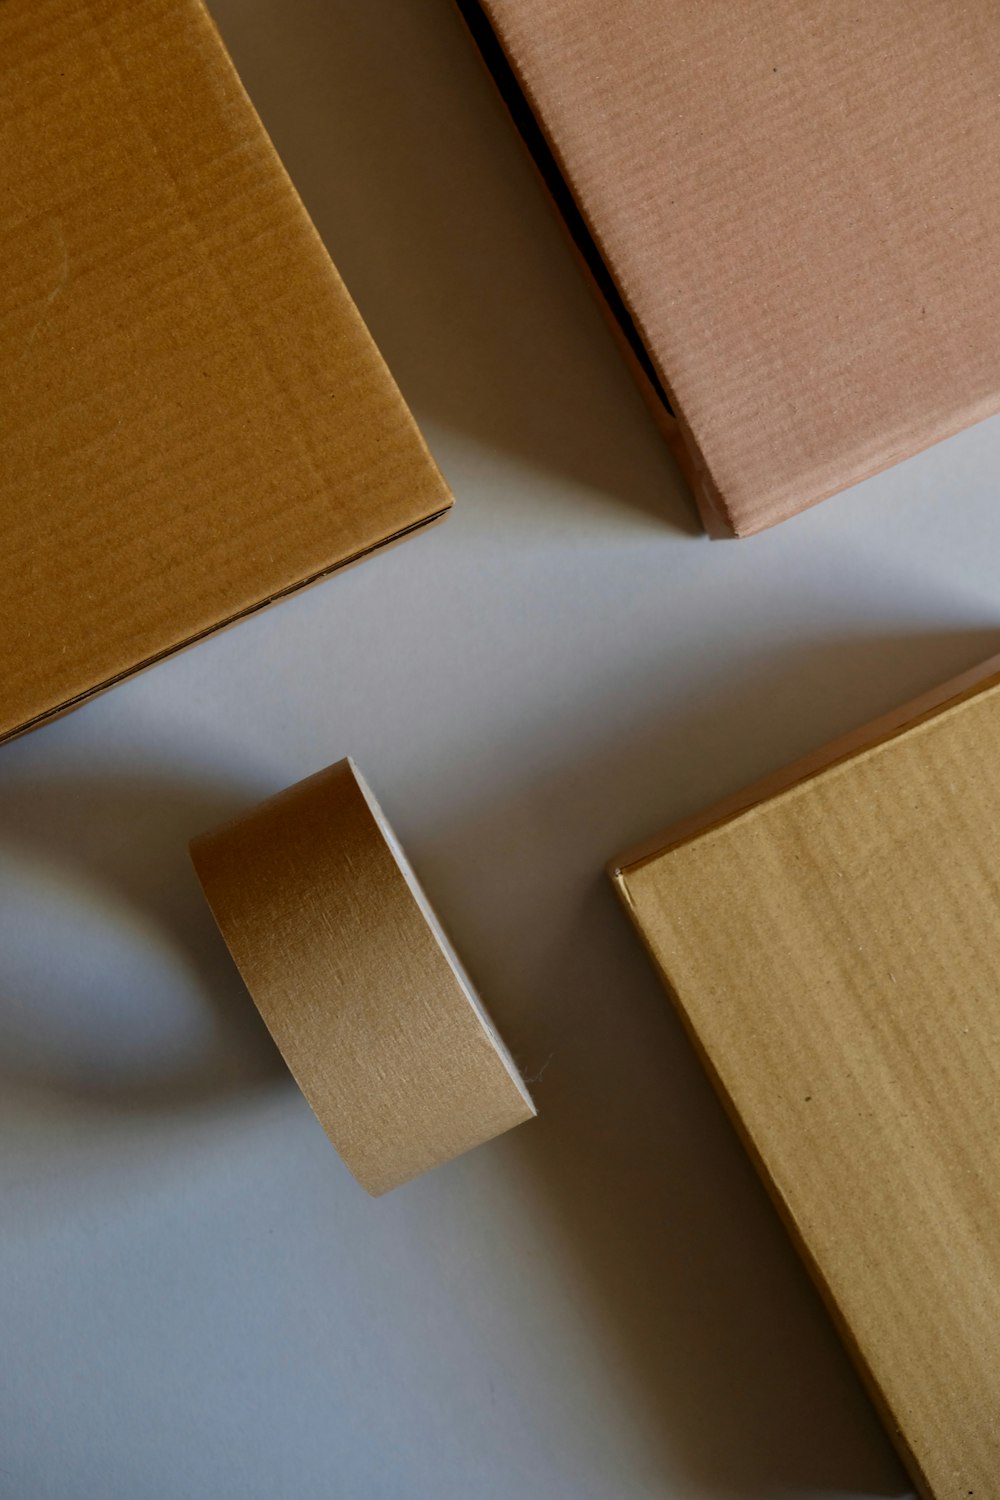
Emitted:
pixel 792 213
pixel 356 980
pixel 195 420
pixel 832 941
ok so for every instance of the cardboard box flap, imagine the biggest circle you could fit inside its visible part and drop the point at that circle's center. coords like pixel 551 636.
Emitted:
pixel 196 419
pixel 797 211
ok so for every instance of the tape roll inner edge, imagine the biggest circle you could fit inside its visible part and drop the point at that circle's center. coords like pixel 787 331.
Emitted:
pixel 444 942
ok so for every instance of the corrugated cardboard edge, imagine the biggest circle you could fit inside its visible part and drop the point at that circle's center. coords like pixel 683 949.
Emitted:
pixel 870 739
pixel 869 736
pixel 433 519
pixel 669 420
pixel 974 413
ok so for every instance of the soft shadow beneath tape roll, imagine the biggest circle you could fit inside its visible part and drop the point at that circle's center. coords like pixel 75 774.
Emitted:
pixel 356 981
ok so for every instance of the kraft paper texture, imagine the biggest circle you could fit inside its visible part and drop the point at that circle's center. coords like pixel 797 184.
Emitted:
pixel 356 981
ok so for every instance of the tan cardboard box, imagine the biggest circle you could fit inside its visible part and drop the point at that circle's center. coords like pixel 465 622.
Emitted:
pixel 832 941
pixel 195 419
pixel 792 213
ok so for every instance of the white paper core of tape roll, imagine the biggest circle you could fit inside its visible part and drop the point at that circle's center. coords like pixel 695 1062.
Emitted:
pixel 444 942
pixel 357 981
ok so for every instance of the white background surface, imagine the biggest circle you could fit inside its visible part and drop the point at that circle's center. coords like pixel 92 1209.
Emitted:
pixel 196 1301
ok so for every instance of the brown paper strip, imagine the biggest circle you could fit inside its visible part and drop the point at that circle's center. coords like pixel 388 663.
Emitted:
pixel 356 981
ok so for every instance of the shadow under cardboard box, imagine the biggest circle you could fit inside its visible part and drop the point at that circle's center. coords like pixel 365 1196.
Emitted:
pixel 403 154
pixel 106 863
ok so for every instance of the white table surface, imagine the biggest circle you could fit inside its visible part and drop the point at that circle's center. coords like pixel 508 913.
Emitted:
pixel 196 1300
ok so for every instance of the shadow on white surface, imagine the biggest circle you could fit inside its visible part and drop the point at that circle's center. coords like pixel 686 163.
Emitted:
pixel 133 1003
pixel 411 171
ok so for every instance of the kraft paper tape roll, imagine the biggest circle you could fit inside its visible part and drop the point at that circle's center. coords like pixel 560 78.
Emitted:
pixel 356 981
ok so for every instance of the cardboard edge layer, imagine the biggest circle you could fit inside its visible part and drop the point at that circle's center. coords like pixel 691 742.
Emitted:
pixel 224 622
pixel 357 981
pixel 856 741
pixel 585 248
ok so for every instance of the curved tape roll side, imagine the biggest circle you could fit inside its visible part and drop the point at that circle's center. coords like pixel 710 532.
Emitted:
pixel 356 981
